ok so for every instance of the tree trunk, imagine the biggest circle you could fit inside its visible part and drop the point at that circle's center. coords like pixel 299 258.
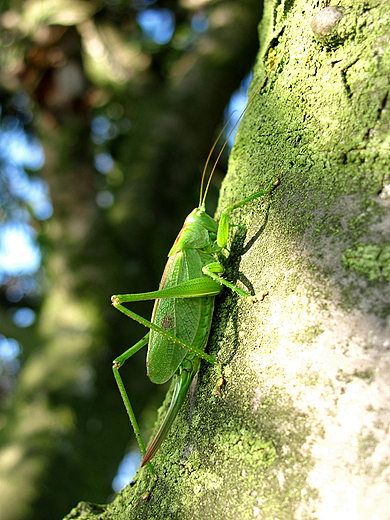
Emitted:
pixel 67 430
pixel 300 429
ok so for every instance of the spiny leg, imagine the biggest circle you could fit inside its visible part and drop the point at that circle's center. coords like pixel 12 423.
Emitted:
pixel 201 287
pixel 117 363
pixel 156 328
pixel 223 227
pixel 214 270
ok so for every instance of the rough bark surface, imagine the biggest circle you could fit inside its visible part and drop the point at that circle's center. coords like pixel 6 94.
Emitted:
pixel 65 429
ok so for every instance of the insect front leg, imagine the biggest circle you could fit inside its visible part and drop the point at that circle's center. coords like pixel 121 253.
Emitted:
pixel 223 227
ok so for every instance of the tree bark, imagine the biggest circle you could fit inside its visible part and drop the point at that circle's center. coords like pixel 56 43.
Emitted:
pixel 67 430
pixel 300 429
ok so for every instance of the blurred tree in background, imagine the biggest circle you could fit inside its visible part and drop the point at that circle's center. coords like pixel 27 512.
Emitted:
pixel 124 97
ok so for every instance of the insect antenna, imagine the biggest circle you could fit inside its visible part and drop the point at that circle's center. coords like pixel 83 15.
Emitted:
pixel 202 198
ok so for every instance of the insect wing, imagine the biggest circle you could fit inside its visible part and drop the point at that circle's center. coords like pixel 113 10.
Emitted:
pixel 178 316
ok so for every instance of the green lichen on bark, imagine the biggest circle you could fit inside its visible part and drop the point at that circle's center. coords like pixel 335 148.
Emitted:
pixel 372 260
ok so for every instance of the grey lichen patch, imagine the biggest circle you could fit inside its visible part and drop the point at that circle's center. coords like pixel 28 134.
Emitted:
pixel 261 468
pixel 371 260
pixel 358 224
pixel 310 379
pixel 309 334
pixel 366 448
pixel 367 375
pixel 325 24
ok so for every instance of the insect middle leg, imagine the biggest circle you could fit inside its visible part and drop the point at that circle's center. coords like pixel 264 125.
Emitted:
pixel 191 289
pixel 215 269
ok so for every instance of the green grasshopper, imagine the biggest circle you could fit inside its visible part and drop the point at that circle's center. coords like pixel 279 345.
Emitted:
pixel 183 310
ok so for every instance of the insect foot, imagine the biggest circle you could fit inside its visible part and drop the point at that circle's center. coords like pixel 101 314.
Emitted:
pixel 146 495
pixel 257 297
pixel 219 384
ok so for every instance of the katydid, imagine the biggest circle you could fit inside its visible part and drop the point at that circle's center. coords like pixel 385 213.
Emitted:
pixel 183 310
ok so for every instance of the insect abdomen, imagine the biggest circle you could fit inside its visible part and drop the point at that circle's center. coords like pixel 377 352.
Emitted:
pixel 188 319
